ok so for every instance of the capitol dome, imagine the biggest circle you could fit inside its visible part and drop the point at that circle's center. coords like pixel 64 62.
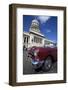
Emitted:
pixel 35 21
pixel 34 25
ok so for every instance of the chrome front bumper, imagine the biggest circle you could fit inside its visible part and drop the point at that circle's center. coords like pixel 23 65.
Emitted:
pixel 37 64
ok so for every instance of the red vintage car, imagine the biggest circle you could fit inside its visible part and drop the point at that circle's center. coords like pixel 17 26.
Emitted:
pixel 42 57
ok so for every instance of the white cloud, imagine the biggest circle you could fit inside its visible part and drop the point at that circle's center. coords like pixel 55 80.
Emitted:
pixel 43 19
pixel 48 30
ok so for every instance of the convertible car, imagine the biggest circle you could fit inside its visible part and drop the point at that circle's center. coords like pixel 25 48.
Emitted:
pixel 42 57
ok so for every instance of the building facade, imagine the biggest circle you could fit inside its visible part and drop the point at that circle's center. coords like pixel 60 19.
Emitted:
pixel 34 36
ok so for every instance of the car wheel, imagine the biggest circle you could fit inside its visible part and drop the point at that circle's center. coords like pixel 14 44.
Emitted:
pixel 47 63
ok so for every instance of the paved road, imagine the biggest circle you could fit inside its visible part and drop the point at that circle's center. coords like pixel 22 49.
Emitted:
pixel 27 66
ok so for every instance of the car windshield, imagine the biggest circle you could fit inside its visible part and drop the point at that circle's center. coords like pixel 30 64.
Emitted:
pixel 51 46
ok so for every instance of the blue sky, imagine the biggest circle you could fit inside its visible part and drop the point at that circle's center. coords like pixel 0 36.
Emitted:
pixel 47 25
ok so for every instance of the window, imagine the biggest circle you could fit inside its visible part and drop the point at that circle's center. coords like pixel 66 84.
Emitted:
pixel 24 39
pixel 37 40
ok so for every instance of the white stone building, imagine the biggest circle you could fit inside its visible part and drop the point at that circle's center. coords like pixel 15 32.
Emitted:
pixel 34 36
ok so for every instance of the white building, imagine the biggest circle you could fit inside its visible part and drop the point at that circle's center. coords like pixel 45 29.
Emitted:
pixel 34 36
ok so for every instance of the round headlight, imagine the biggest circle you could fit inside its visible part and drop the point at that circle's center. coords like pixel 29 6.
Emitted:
pixel 36 52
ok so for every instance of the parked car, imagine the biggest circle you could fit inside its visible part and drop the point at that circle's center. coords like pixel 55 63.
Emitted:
pixel 42 57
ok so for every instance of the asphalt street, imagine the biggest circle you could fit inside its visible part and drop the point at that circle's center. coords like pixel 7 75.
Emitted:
pixel 27 66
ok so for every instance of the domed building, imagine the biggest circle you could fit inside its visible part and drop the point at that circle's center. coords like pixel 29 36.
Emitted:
pixel 35 26
pixel 34 36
